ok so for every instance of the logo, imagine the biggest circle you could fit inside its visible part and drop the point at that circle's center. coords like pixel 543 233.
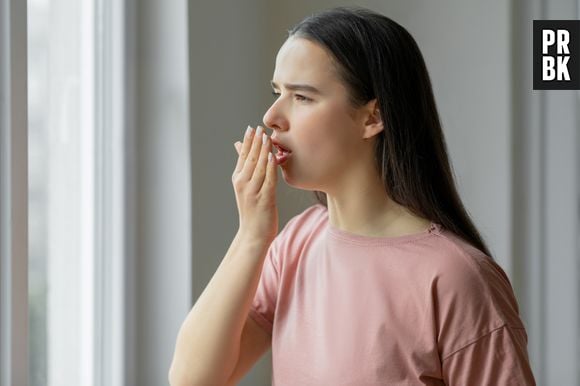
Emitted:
pixel 556 54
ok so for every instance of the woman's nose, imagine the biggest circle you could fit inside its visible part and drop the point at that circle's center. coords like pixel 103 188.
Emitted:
pixel 274 118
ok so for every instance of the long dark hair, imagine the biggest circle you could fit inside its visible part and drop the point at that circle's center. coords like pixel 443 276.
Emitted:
pixel 378 58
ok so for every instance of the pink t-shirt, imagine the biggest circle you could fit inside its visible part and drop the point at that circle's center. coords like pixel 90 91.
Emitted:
pixel 421 309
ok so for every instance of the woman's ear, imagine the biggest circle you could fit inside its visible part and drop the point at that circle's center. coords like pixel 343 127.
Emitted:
pixel 373 122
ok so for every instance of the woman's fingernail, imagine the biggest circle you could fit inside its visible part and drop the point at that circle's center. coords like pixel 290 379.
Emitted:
pixel 259 130
pixel 264 138
pixel 248 131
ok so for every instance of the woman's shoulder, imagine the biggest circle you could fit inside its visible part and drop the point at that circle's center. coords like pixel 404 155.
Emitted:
pixel 472 280
pixel 459 260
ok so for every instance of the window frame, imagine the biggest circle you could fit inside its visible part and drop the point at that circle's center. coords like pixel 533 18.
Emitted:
pixel 111 356
pixel 13 194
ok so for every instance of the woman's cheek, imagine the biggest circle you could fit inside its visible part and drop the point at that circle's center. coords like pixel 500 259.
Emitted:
pixel 321 151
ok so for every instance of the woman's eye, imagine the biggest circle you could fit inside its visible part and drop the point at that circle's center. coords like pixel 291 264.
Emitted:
pixel 298 96
pixel 302 98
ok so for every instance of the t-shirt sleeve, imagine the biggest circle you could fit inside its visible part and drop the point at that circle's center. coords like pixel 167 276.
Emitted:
pixel 263 305
pixel 498 358
pixel 482 338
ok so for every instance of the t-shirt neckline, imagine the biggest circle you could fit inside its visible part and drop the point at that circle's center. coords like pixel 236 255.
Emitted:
pixel 354 238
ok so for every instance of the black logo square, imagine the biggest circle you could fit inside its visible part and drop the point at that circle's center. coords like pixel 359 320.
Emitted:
pixel 556 54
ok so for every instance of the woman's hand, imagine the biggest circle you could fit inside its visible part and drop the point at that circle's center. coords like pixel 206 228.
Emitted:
pixel 254 180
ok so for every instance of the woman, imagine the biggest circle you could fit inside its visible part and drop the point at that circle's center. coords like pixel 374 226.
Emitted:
pixel 385 281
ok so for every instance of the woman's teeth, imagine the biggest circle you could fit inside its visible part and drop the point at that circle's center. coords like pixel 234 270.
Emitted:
pixel 280 150
pixel 281 155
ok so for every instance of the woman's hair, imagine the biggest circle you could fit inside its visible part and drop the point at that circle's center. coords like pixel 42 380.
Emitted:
pixel 377 58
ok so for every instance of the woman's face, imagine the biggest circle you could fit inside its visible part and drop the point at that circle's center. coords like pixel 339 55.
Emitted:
pixel 318 125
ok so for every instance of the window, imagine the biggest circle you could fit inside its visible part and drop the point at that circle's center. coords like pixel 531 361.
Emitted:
pixel 76 242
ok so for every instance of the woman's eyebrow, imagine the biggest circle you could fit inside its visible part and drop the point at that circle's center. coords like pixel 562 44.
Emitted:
pixel 294 87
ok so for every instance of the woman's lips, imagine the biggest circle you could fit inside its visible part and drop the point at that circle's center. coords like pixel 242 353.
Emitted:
pixel 282 154
pixel 281 157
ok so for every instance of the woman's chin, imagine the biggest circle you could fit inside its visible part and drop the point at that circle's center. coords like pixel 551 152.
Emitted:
pixel 292 179
pixel 288 175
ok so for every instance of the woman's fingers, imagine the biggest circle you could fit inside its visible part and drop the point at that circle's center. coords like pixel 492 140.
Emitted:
pixel 271 178
pixel 245 149
pixel 260 169
pixel 254 183
pixel 256 162
pixel 253 155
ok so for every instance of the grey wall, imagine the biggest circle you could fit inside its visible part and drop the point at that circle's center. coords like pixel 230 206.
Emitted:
pixel 159 277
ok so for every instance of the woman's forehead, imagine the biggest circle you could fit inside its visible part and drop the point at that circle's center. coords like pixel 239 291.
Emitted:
pixel 302 61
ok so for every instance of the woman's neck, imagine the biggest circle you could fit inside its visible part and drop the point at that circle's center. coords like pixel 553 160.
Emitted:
pixel 367 210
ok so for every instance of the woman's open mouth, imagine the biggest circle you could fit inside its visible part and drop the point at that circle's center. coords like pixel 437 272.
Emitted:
pixel 281 155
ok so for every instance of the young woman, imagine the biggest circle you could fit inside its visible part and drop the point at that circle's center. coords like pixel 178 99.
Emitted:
pixel 385 281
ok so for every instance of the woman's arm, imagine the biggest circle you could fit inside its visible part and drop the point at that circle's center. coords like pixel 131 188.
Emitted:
pixel 208 342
